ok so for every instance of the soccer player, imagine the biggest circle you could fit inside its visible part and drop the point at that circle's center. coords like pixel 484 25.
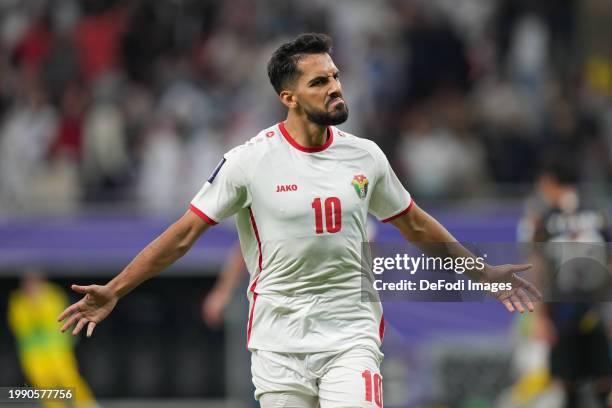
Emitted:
pixel 301 191
pixel 231 275
pixel 575 275
pixel 46 356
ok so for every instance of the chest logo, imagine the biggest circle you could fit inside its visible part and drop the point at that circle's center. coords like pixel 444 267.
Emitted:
pixel 281 188
pixel 360 183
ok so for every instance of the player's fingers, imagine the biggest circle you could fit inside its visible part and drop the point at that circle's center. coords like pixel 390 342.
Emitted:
pixel 522 295
pixel 70 321
pixel 517 303
pixel 531 289
pixel 79 326
pixel 508 305
pixel 82 289
pixel 520 268
pixel 90 328
pixel 68 311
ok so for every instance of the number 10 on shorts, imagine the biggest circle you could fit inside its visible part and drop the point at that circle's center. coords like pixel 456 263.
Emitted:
pixel 377 385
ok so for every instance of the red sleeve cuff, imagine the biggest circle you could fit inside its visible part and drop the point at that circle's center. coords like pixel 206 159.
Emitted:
pixel 203 216
pixel 401 213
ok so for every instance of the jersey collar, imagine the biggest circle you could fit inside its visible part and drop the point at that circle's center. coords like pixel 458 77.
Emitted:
pixel 292 142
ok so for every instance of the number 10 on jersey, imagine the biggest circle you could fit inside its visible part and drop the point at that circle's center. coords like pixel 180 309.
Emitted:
pixel 333 214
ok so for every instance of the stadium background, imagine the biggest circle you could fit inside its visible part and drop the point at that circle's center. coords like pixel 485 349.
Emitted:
pixel 113 113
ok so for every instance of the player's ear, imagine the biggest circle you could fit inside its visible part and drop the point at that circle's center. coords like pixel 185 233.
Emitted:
pixel 288 99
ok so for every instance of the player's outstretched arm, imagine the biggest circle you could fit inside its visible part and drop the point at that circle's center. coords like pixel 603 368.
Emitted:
pixel 422 229
pixel 99 301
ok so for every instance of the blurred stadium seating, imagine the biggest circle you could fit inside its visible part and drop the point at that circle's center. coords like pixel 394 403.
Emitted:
pixel 113 113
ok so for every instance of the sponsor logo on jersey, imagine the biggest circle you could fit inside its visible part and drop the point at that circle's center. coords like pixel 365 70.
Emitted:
pixel 281 188
pixel 216 170
pixel 360 183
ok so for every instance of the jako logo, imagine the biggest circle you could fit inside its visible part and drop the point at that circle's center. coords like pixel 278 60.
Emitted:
pixel 287 187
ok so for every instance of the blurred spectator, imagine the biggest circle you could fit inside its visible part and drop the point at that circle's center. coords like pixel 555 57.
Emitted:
pixel 97 37
pixel 441 158
pixel 508 130
pixel 429 72
pixel 33 48
pixel 105 159
pixel 25 137
pixel 68 138
pixel 161 167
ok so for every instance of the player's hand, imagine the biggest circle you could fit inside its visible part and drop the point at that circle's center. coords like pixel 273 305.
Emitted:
pixel 522 294
pixel 97 303
pixel 213 306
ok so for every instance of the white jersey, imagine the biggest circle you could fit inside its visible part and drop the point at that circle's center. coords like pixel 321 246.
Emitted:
pixel 301 216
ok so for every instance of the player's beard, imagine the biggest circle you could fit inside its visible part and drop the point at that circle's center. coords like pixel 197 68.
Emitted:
pixel 324 118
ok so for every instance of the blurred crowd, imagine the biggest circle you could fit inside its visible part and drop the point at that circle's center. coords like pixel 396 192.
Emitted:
pixel 135 101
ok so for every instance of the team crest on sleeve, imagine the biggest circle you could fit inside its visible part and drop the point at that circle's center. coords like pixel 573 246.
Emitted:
pixel 360 183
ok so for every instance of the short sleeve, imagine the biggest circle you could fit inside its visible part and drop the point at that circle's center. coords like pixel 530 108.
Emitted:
pixel 224 193
pixel 389 197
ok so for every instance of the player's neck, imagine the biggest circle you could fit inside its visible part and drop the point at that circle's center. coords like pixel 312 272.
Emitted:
pixel 306 133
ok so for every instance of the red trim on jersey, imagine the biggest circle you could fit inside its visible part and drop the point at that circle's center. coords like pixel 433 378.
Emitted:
pixel 251 319
pixel 250 326
pixel 401 213
pixel 381 328
pixel 203 216
pixel 256 231
pixel 254 284
pixel 292 142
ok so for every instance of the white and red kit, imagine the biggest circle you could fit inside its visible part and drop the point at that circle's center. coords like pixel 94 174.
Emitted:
pixel 301 216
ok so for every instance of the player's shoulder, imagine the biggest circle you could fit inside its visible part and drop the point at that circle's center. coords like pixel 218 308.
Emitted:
pixel 257 146
pixel 349 139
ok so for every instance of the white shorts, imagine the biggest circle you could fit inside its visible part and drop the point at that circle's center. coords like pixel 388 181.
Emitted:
pixel 345 379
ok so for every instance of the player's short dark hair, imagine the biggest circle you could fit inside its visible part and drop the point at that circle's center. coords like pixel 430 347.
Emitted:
pixel 282 67
pixel 561 165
